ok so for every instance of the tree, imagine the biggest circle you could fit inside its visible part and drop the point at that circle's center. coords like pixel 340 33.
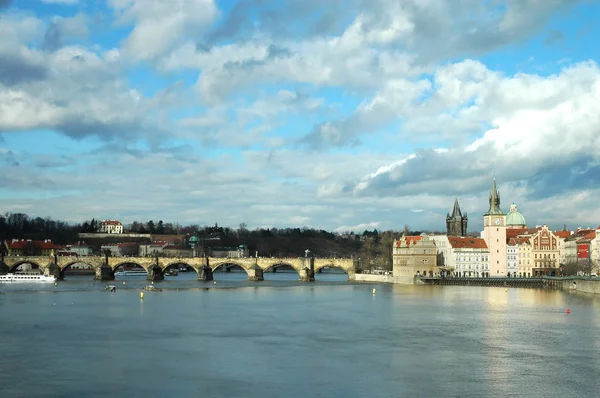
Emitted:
pixel 150 227
pixel 160 228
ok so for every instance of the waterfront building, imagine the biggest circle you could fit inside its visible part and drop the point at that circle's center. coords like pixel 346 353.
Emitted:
pixel 81 249
pixel 24 247
pixel 413 256
pixel 494 231
pixel 514 219
pixel 456 223
pixel 153 249
pixel 572 254
pixel 446 260
pixel 512 256
pixel 544 249
pixel 111 227
pixel 524 263
pixel 121 249
pixel 471 256
pixel 562 236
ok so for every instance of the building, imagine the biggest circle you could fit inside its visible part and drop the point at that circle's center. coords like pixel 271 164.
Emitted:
pixel 514 219
pixel 240 251
pixel 494 232
pixel 471 256
pixel 446 260
pixel 177 251
pixel 81 249
pixel 23 247
pixel 153 249
pixel 512 256
pixel 126 249
pixel 545 252
pixel 524 262
pixel 456 223
pixel 413 256
pixel 562 236
pixel 572 251
pixel 111 227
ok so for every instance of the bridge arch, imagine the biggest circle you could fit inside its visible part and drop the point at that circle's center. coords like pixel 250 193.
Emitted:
pixel 13 267
pixel 133 262
pixel 279 264
pixel 227 265
pixel 69 264
pixel 176 264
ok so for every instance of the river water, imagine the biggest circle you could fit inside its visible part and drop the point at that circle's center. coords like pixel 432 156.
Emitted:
pixel 284 338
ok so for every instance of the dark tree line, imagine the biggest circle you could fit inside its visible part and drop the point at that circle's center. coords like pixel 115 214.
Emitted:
pixel 373 248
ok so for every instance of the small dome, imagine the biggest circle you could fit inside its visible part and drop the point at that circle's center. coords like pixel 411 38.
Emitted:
pixel 194 239
pixel 514 218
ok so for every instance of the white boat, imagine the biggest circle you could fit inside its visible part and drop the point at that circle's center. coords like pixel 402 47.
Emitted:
pixel 27 278
pixel 131 272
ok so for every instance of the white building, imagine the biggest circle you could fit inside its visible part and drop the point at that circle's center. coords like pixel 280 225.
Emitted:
pixel 512 257
pixel 111 227
pixel 471 256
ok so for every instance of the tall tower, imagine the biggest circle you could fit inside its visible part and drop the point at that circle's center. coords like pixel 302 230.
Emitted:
pixel 494 227
pixel 456 224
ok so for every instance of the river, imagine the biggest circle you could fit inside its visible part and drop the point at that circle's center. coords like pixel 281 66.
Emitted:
pixel 284 338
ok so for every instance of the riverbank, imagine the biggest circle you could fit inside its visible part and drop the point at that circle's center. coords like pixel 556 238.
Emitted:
pixel 373 278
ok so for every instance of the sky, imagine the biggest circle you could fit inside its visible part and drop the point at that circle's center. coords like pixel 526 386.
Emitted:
pixel 339 115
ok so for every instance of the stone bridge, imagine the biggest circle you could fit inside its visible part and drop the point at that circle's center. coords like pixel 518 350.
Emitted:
pixel 157 266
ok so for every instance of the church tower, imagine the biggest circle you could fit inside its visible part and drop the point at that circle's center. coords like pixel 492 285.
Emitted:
pixel 494 227
pixel 456 223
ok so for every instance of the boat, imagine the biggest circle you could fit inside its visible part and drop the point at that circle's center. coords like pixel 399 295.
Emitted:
pixel 110 288
pixel 172 272
pixel 151 288
pixel 27 278
pixel 131 272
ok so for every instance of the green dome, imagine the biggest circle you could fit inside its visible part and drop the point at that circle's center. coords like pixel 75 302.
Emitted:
pixel 194 239
pixel 514 218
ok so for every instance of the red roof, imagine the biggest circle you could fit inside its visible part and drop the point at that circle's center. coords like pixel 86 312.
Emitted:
pixel 22 244
pixel 461 242
pixel 408 240
pixel 562 234
pixel 111 222
pixel 518 241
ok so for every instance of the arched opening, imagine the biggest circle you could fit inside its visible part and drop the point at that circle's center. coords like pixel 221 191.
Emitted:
pixel 280 272
pixel 229 270
pixel 179 270
pixel 130 270
pixel 331 273
pixel 25 267
pixel 77 269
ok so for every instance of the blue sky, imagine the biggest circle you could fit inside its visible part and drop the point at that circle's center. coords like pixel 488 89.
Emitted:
pixel 341 115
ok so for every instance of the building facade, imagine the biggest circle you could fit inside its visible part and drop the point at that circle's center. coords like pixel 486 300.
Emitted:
pixel 413 256
pixel 494 231
pixel 471 256
pixel 111 227
pixel 546 256
pixel 456 223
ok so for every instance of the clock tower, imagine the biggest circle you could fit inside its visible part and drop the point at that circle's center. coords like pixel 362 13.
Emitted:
pixel 494 227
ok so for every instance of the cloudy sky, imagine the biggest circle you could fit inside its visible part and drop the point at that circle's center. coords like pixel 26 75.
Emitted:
pixel 338 114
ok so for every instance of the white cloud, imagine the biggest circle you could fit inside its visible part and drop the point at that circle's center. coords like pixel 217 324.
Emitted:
pixel 160 25
pixel 62 2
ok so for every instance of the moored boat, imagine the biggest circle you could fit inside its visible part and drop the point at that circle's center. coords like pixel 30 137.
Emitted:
pixel 27 278
pixel 131 272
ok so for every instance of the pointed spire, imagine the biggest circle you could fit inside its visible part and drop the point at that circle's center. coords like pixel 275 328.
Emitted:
pixel 456 211
pixel 494 201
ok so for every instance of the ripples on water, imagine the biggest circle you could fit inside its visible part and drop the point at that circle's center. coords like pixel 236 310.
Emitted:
pixel 284 338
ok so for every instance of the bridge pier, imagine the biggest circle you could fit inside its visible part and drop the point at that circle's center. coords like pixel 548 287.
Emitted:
pixel 307 272
pixel 4 269
pixel 53 270
pixel 205 273
pixel 104 273
pixel 155 273
pixel 255 273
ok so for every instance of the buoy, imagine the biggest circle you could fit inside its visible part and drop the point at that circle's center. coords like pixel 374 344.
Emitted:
pixel 374 291
pixel 506 290
pixel 215 282
pixel 568 310
pixel 152 282
pixel 141 295
pixel 55 284
pixel 123 282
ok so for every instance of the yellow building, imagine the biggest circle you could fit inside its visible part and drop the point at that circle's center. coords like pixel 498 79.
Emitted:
pixel 524 264
pixel 413 256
